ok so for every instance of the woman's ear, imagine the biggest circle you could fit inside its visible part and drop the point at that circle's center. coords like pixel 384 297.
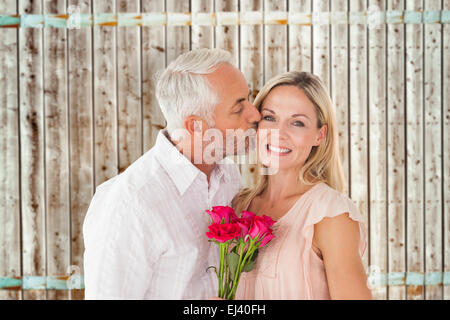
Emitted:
pixel 321 135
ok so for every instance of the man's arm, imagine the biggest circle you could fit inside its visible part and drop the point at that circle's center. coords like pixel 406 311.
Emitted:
pixel 117 263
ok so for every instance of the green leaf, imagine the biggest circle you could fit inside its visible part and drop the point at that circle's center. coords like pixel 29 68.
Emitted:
pixel 248 266
pixel 232 262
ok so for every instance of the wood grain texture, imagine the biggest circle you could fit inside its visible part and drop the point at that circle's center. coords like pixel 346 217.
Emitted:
pixel 129 88
pixel 321 44
pixel 32 150
pixel 433 150
pixel 227 37
pixel 358 144
pixel 396 150
pixel 177 37
pixel 202 36
pixel 81 134
pixel 252 66
pixel 377 148
pixel 105 97
pixel 10 231
pixel 153 62
pixel 56 150
pixel 414 152
pixel 300 39
pixel 339 85
pixel 446 145
pixel 275 42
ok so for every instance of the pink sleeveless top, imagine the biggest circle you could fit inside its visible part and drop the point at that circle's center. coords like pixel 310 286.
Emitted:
pixel 287 267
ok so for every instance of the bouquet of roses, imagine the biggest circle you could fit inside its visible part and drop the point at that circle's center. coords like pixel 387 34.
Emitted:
pixel 238 240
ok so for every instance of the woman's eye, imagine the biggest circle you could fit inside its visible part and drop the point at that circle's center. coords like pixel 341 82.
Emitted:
pixel 299 124
pixel 268 118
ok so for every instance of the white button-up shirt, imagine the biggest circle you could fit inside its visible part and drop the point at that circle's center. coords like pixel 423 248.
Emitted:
pixel 144 231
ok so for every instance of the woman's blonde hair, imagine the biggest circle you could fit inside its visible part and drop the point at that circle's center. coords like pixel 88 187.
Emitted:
pixel 323 163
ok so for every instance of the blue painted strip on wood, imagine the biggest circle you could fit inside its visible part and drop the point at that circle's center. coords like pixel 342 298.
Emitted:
pixel 77 20
pixel 42 282
pixel 415 279
pixel 77 281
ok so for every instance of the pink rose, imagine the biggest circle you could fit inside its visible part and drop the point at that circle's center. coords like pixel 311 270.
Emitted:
pixel 247 215
pixel 258 228
pixel 244 224
pixel 220 213
pixel 267 237
pixel 223 232
pixel 268 221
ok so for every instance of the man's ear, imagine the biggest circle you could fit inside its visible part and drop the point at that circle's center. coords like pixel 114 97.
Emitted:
pixel 194 124
pixel 322 134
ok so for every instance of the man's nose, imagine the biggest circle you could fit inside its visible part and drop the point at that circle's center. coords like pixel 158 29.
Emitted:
pixel 254 116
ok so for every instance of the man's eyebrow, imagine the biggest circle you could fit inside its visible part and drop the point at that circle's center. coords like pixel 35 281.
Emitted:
pixel 242 99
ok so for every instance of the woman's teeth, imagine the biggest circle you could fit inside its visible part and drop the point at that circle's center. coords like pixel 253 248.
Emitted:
pixel 278 150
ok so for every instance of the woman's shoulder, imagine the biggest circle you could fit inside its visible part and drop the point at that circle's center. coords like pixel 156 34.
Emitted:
pixel 329 202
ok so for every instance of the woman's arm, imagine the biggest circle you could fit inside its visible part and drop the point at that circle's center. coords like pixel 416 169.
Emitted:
pixel 338 240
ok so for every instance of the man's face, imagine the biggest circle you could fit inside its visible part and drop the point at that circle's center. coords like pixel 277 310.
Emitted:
pixel 234 110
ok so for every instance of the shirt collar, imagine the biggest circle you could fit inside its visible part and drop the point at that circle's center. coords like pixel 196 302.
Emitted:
pixel 179 168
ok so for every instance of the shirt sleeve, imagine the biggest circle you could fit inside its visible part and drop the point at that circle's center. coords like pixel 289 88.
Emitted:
pixel 119 252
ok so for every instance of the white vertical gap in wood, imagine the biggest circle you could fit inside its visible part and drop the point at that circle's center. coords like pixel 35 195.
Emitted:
pixel 339 85
pixel 433 155
pixel 358 144
pixel 10 255
pixel 153 61
pixel 32 150
pixel 396 151
pixel 414 152
pixel 129 88
pixel 377 148
pixel 105 96
pixel 300 39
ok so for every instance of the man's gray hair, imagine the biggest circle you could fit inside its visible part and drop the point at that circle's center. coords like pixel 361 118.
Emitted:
pixel 183 90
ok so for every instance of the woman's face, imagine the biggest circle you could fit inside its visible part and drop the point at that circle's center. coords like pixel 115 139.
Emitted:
pixel 288 110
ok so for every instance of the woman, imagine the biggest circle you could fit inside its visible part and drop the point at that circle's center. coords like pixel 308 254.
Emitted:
pixel 320 234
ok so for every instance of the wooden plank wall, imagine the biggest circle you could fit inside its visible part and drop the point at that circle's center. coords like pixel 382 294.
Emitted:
pixel 77 106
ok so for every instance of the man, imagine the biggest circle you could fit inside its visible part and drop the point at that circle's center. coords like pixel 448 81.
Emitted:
pixel 144 231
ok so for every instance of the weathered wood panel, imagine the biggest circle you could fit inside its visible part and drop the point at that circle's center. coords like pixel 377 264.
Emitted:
pixel 252 66
pixel 433 155
pixel 153 61
pixel 32 150
pixel 358 144
pixel 105 97
pixel 446 146
pixel 396 154
pixel 275 42
pixel 227 36
pixel 339 88
pixel 202 36
pixel 10 236
pixel 321 40
pixel 377 148
pixel 56 150
pixel 81 135
pixel 177 37
pixel 129 105
pixel 414 152
pixel 300 38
